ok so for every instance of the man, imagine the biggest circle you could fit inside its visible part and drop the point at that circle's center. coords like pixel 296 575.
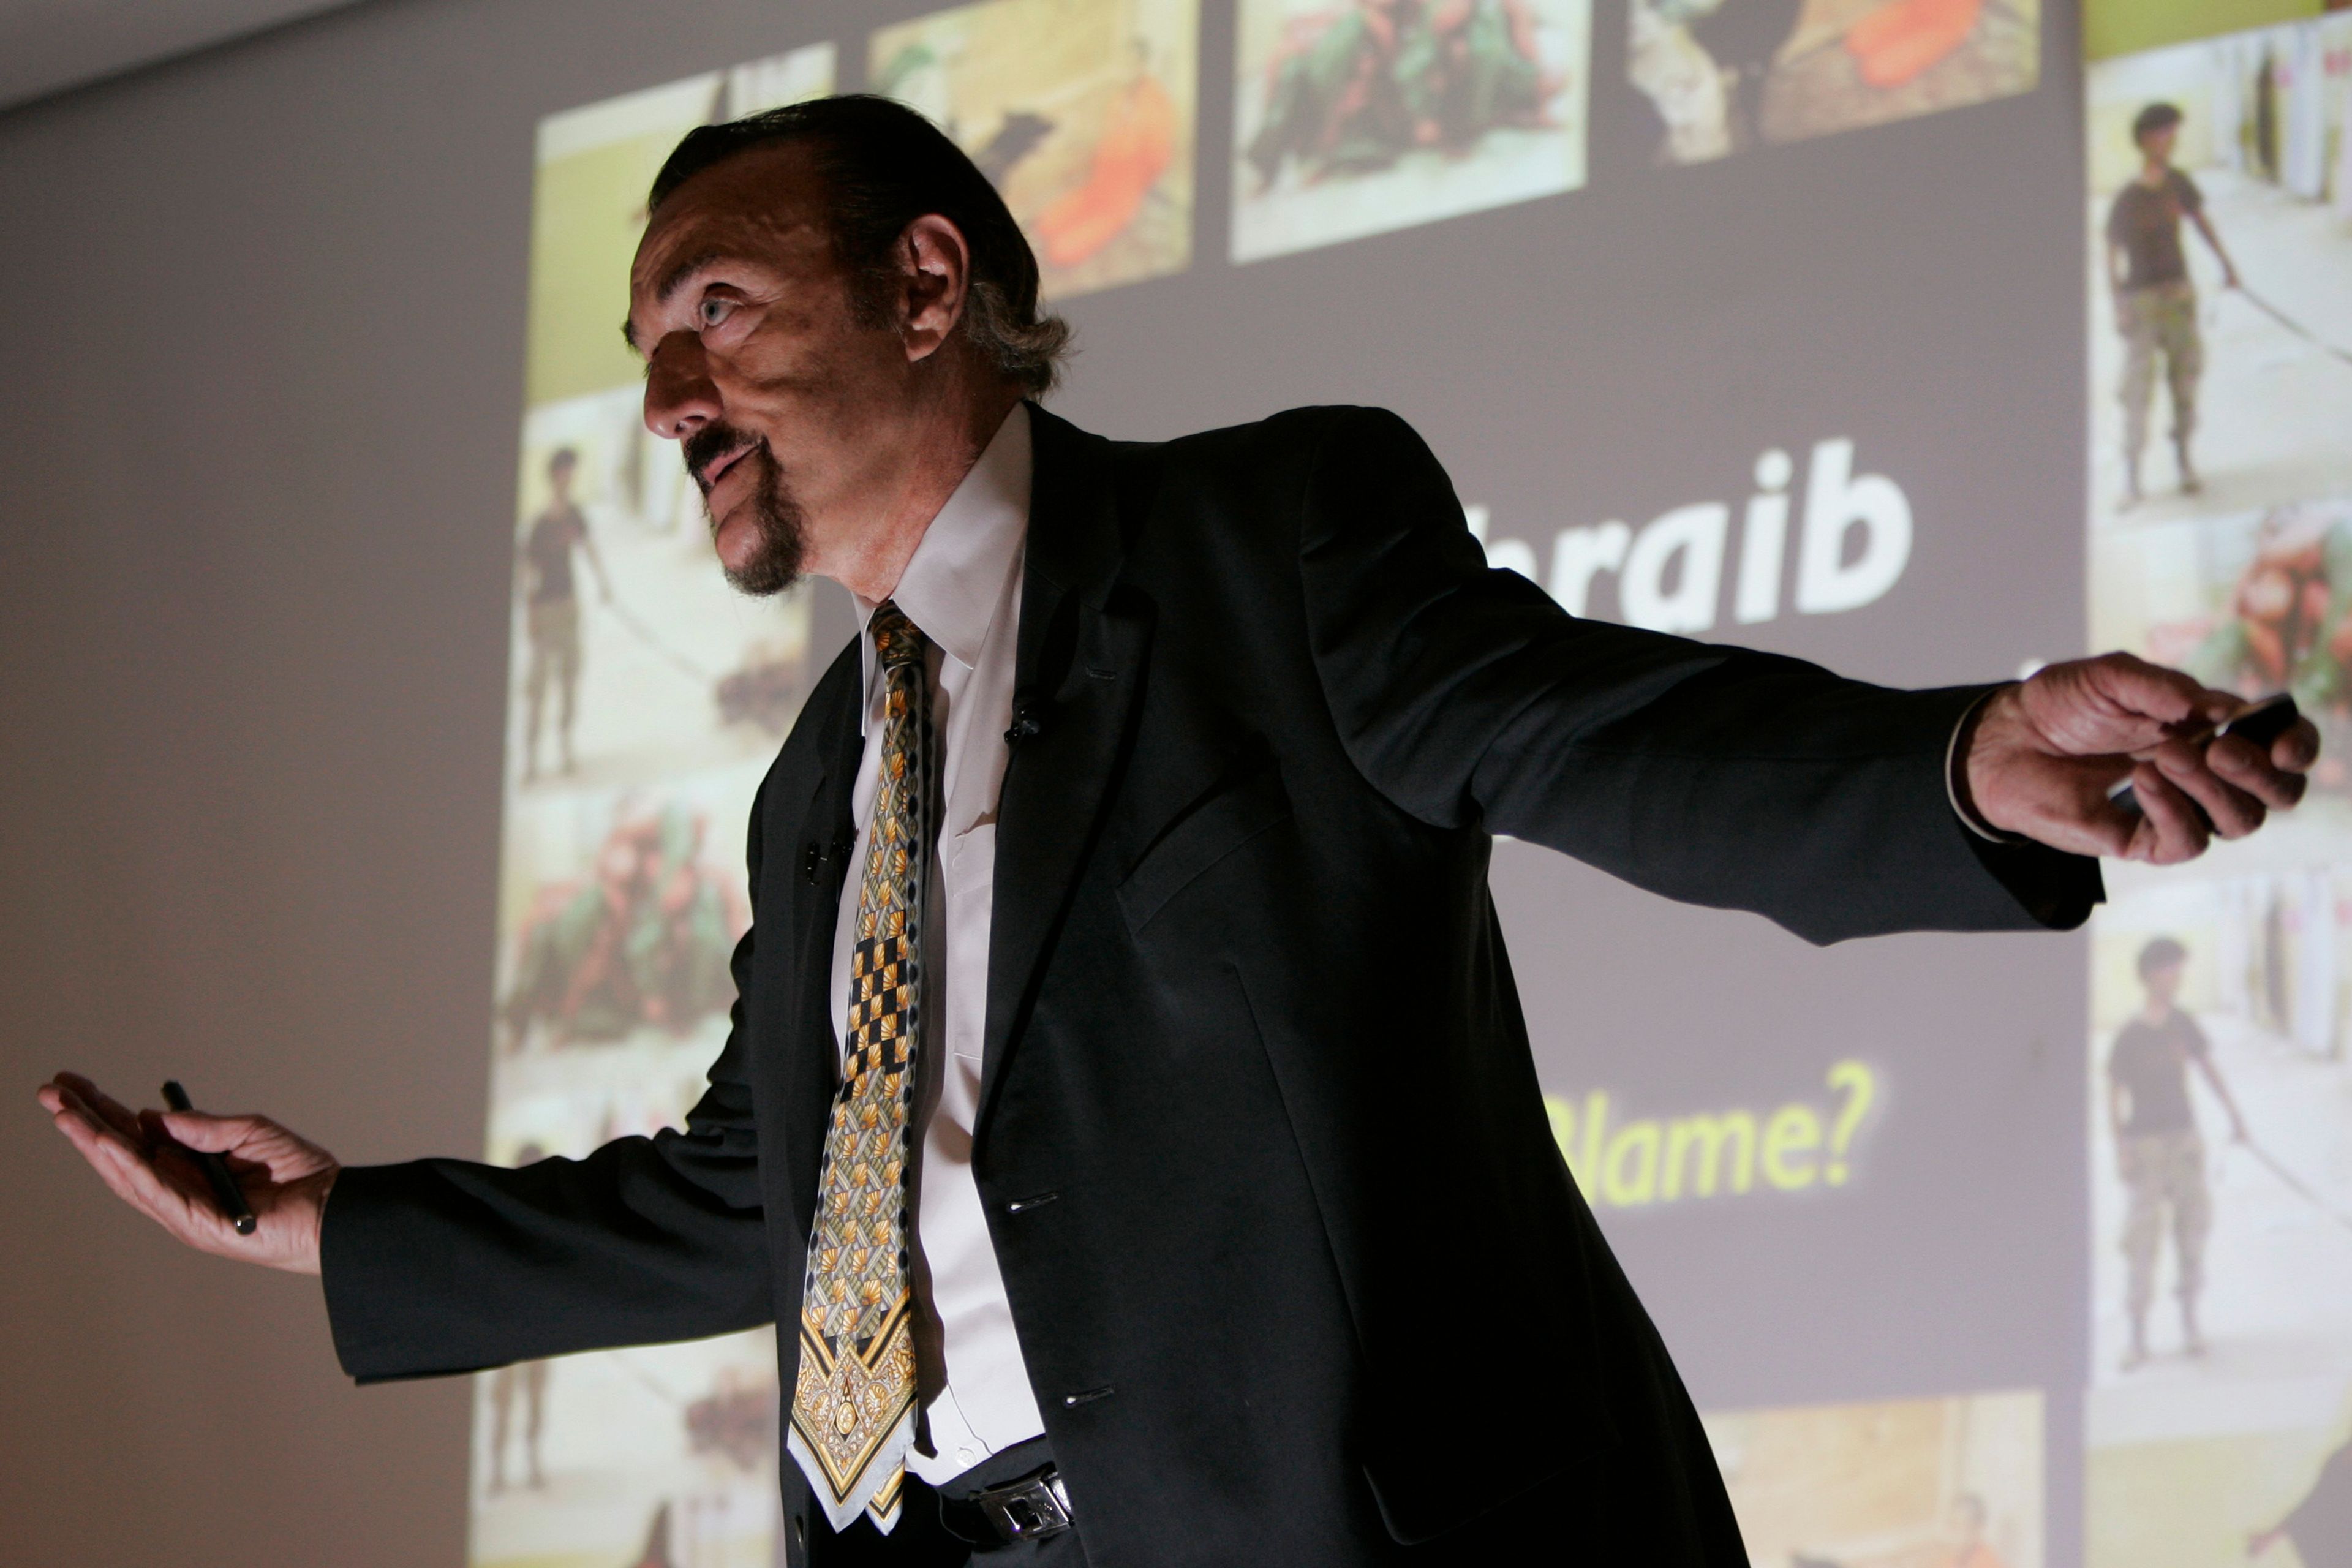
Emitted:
pixel 551 609
pixel 1141 1149
pixel 2157 1151
pixel 2155 304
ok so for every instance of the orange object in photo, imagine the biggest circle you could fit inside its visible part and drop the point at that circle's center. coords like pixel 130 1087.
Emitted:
pixel 1897 41
pixel 1139 143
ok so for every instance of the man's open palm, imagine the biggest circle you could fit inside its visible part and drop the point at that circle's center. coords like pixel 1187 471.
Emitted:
pixel 145 1157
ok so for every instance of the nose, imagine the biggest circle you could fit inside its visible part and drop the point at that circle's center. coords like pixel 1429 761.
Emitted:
pixel 680 397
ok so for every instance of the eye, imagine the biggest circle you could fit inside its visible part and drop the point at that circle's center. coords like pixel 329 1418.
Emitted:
pixel 713 310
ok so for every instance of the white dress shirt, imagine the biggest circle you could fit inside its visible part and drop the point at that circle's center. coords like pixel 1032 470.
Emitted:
pixel 963 590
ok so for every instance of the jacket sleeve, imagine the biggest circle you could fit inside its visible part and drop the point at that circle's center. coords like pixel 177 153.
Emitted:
pixel 1714 775
pixel 448 1265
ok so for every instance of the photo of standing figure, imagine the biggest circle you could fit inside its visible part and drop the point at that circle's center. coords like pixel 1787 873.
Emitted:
pixel 2220 1078
pixel 2220 222
pixel 2159 1153
pixel 552 610
pixel 2156 303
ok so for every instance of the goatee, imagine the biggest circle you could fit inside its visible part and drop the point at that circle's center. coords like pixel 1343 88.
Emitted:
pixel 781 537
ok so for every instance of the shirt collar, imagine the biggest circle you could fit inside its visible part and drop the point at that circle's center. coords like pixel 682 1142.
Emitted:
pixel 954 582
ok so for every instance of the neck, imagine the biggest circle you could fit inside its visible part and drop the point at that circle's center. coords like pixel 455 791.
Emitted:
pixel 931 453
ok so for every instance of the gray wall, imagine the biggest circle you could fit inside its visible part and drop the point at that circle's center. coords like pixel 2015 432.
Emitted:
pixel 261 380
pixel 261 318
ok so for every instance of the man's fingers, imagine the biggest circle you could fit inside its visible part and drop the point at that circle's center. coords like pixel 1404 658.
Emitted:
pixel 2249 767
pixel 81 1121
pixel 215 1134
pixel 101 1104
pixel 173 1192
pixel 2233 812
pixel 2171 827
pixel 249 1143
pixel 2167 696
pixel 168 1194
pixel 2077 815
pixel 133 1176
pixel 2295 751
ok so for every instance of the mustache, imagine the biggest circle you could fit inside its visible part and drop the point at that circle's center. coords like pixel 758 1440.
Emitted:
pixel 710 446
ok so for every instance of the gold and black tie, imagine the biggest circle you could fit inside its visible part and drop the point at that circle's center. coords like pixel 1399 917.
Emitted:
pixel 853 1403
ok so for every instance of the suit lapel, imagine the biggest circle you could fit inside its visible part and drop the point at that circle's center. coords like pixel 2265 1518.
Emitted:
pixel 820 860
pixel 1078 663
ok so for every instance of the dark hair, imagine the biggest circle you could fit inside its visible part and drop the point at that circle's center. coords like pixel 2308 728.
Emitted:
pixel 563 457
pixel 884 166
pixel 2156 117
pixel 2161 954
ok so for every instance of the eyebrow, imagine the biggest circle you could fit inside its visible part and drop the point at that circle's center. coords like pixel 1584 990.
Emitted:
pixel 672 281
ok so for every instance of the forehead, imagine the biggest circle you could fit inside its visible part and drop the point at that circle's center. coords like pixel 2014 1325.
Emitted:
pixel 761 208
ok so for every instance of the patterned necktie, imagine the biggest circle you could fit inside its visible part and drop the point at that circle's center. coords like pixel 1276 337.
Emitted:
pixel 854 1403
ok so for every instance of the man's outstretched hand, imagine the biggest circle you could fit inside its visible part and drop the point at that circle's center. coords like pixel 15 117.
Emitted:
pixel 2045 752
pixel 144 1158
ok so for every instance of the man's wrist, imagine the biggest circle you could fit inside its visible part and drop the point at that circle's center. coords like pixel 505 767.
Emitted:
pixel 1956 771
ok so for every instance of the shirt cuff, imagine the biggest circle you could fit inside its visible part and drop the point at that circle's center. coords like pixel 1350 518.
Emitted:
pixel 1956 776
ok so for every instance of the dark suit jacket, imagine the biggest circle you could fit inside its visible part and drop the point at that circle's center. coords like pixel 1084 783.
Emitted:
pixel 1297 1270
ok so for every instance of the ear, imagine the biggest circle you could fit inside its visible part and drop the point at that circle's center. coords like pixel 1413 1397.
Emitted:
pixel 936 266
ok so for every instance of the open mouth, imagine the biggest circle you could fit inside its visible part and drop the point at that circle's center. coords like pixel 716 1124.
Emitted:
pixel 709 476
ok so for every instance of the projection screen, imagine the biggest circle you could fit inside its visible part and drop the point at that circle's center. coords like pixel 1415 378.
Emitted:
pixel 1788 322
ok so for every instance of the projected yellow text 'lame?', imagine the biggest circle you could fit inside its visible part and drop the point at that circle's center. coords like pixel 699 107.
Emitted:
pixel 1641 1161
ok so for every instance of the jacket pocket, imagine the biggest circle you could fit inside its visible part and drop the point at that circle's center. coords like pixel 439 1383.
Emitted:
pixel 1199 838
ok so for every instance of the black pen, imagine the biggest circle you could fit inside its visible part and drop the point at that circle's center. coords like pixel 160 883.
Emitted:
pixel 225 1192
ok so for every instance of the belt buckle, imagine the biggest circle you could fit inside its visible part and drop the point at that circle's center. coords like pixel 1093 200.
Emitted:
pixel 1026 1510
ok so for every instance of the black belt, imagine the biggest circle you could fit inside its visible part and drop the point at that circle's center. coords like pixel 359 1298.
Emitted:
pixel 1036 1505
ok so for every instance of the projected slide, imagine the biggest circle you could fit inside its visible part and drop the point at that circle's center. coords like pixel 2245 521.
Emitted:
pixel 1873 1154
pixel 1081 112
pixel 647 700
pixel 2220 222
pixel 1721 75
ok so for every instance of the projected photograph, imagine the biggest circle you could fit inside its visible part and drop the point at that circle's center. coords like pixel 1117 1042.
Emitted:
pixel 619 910
pixel 1365 116
pixel 633 658
pixel 1721 75
pixel 2278 1499
pixel 2220 178
pixel 2221 1142
pixel 1918 1483
pixel 644 700
pixel 658 1457
pixel 1081 112
pixel 2252 602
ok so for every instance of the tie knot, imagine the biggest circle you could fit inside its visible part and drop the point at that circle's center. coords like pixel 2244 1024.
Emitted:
pixel 898 641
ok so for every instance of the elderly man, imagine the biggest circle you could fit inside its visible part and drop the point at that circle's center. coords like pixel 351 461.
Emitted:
pixel 1128 1112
